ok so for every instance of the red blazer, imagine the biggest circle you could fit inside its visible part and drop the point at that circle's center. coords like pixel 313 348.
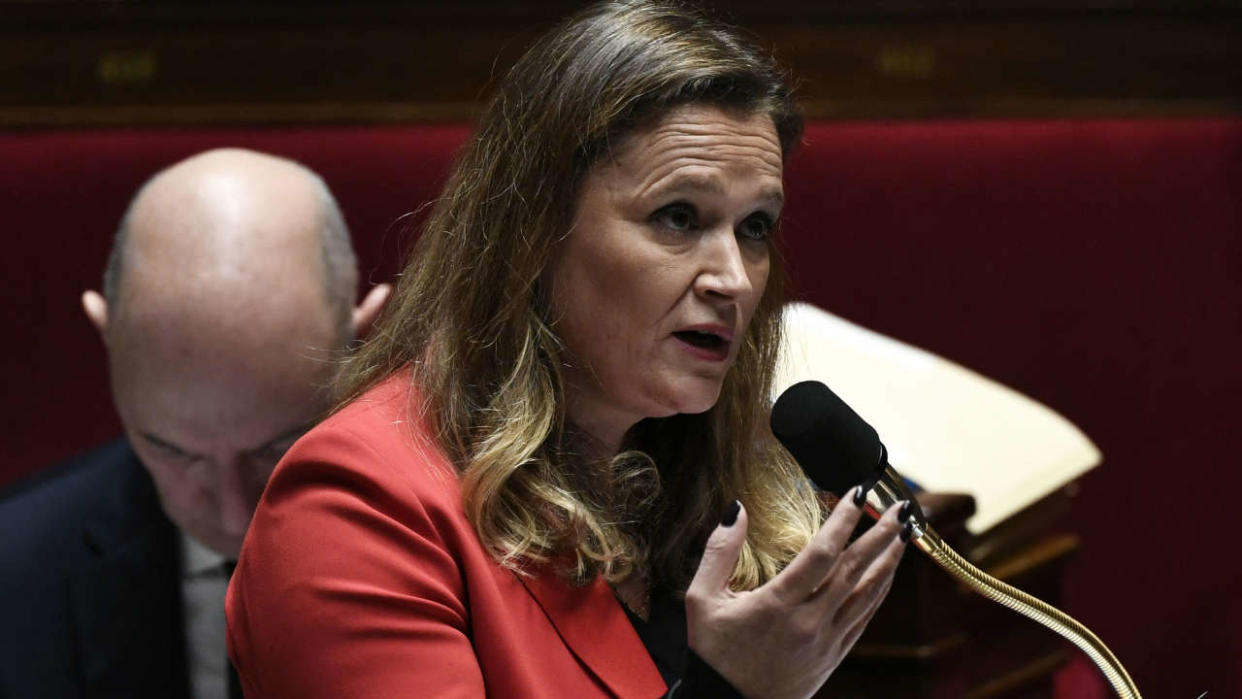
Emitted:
pixel 361 577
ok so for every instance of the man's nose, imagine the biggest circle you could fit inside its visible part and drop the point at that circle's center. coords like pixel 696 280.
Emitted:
pixel 235 503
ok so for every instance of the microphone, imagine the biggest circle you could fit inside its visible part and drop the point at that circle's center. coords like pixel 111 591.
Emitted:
pixel 838 450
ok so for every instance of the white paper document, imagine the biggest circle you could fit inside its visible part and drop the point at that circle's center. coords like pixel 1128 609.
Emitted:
pixel 945 426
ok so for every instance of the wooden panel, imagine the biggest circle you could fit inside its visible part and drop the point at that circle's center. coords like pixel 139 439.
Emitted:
pixel 1028 67
pixel 171 63
pixel 208 69
pixel 934 638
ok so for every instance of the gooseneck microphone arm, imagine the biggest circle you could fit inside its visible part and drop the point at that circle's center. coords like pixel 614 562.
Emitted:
pixel 838 450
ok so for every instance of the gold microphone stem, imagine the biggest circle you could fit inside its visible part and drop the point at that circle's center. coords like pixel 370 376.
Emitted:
pixel 889 489
pixel 1034 608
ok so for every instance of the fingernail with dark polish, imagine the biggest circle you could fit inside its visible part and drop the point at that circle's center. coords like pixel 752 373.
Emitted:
pixel 907 532
pixel 730 513
pixel 907 509
pixel 860 495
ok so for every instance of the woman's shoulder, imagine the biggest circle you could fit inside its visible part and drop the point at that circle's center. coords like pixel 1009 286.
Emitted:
pixel 379 437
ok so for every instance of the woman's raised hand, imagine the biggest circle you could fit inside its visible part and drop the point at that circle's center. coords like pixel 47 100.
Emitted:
pixel 783 639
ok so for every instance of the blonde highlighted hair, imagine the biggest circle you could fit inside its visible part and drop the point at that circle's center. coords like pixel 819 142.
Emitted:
pixel 470 316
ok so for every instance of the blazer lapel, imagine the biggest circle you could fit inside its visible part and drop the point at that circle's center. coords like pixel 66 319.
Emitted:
pixel 127 605
pixel 593 625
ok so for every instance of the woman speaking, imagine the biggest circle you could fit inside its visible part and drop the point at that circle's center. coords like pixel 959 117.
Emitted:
pixel 551 475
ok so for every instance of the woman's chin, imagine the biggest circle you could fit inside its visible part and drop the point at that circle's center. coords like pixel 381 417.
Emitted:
pixel 699 399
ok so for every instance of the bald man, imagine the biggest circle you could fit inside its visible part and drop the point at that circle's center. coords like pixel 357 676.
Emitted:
pixel 227 298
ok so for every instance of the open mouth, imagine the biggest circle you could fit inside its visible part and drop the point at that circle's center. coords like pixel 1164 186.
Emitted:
pixel 709 343
pixel 702 339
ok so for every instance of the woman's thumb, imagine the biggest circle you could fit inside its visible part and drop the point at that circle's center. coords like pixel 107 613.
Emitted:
pixel 721 552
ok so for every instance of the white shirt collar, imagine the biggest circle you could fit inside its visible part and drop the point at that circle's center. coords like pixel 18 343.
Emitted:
pixel 197 559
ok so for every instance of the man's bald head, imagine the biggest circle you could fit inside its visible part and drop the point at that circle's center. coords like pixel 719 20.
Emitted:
pixel 224 208
pixel 228 295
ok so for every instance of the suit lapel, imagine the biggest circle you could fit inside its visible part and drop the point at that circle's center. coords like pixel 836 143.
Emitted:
pixel 590 621
pixel 127 601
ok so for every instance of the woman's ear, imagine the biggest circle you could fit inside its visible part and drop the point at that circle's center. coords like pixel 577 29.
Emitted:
pixel 367 311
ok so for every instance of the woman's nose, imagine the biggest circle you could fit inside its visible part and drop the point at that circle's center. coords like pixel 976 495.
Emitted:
pixel 724 272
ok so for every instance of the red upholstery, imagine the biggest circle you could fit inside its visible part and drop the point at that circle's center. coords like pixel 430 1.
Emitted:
pixel 1094 265
pixel 65 193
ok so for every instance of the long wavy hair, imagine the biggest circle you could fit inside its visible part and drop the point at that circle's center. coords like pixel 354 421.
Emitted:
pixel 470 317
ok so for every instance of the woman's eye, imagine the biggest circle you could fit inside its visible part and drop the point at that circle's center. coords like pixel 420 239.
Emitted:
pixel 756 226
pixel 677 217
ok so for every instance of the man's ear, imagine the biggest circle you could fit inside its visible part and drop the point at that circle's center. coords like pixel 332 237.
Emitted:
pixel 367 311
pixel 96 309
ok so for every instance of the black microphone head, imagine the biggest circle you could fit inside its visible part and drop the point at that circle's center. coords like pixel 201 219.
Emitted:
pixel 836 448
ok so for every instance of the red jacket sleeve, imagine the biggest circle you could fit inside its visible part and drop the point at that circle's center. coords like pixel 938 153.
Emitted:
pixel 347 584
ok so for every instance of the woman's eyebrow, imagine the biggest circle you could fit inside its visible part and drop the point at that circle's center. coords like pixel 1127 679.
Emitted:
pixel 773 195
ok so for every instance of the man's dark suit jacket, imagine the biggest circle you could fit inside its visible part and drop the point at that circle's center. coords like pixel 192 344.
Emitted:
pixel 90 595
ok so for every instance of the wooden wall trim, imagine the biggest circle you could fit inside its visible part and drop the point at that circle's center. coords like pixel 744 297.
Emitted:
pixel 119 63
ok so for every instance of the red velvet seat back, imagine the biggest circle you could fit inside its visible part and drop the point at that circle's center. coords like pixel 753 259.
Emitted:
pixel 65 192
